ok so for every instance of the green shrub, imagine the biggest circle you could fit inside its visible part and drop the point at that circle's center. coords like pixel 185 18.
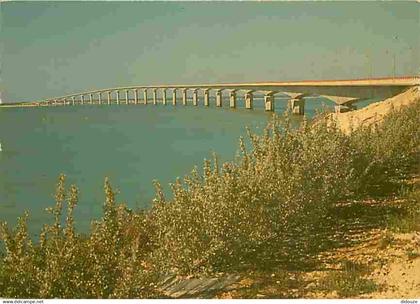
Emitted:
pixel 385 153
pixel 109 263
pixel 233 215
pixel 224 216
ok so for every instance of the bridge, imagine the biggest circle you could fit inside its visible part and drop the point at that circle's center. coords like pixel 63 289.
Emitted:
pixel 344 93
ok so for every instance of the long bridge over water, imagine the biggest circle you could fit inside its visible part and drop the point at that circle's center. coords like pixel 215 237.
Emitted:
pixel 344 93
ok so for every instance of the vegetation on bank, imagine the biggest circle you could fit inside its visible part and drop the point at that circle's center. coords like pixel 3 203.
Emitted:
pixel 237 216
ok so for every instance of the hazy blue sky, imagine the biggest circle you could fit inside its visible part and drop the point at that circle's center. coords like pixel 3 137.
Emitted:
pixel 54 48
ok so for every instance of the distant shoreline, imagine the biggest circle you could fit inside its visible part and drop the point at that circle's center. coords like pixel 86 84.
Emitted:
pixel 18 105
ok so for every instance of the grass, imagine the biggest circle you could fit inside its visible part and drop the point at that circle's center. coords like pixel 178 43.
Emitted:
pixel 408 217
pixel 386 240
pixel 413 254
pixel 350 281
pixel 259 211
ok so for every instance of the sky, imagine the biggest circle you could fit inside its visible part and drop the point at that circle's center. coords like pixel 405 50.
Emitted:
pixel 56 48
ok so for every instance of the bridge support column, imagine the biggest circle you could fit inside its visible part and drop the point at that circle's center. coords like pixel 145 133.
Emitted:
pixel 155 96
pixel 249 100
pixel 344 108
pixel 269 102
pixel 232 99
pixel 297 106
pixel 99 97
pixel 118 97
pixel 219 98
pixel 82 99
pixel 206 98
pixel 91 98
pixel 184 97
pixel 195 97
pixel 164 96
pixel 136 96
pixel 127 101
pixel 72 100
pixel 109 97
pixel 145 96
pixel 174 97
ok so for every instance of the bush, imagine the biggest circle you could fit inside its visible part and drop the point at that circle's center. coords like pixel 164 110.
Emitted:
pixel 219 219
pixel 109 263
pixel 387 152
pixel 277 190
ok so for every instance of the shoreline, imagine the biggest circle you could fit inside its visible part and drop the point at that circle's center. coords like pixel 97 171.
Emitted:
pixel 18 105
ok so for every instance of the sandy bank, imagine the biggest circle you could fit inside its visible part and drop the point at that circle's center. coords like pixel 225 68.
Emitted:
pixel 375 112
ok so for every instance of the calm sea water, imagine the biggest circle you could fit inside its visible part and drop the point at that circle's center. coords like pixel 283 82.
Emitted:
pixel 131 144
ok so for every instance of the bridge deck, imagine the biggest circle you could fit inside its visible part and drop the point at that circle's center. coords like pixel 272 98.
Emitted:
pixel 340 91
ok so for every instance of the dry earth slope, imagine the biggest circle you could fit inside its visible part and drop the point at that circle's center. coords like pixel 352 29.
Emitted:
pixel 374 113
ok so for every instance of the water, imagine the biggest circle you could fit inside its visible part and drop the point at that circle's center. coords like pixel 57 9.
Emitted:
pixel 131 144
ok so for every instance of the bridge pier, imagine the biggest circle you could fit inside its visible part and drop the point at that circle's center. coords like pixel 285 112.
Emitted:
pixel 343 103
pixel 232 99
pixel 136 96
pixel 91 98
pixel 206 97
pixel 164 96
pixel 155 96
pixel 109 97
pixel 344 108
pixel 118 97
pixel 269 101
pixel 297 106
pixel 249 100
pixel 184 97
pixel 126 96
pixel 82 99
pixel 195 97
pixel 145 96
pixel 99 97
pixel 219 98
pixel 174 97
